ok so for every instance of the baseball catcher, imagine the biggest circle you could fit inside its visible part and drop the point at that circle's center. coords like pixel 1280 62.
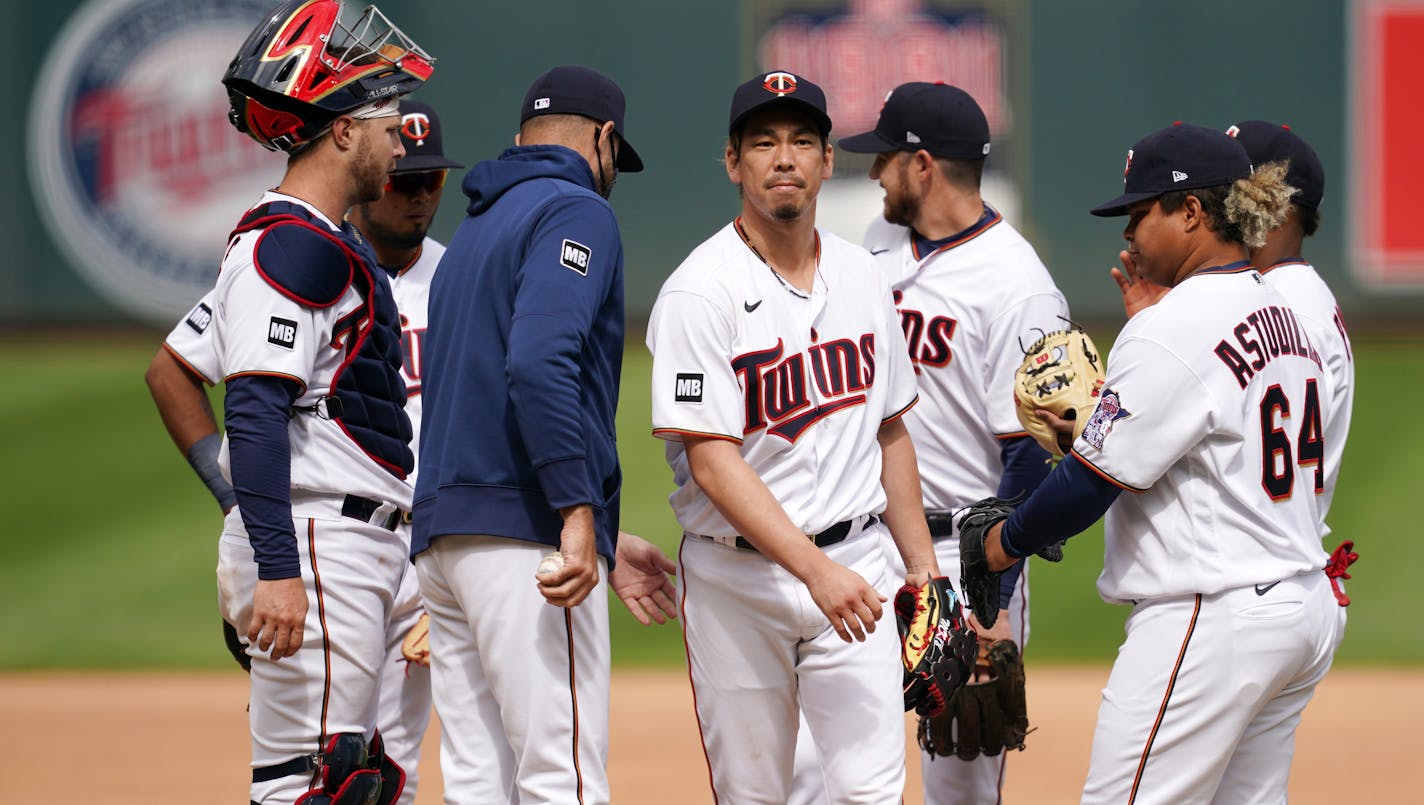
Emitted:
pixel 1062 373
pixel 937 646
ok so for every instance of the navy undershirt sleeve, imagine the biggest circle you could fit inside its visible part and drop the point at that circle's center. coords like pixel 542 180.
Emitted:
pixel 1025 467
pixel 1072 498
pixel 257 410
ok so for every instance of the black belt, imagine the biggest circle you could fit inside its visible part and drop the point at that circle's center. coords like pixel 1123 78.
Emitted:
pixel 363 509
pixel 830 536
pixel 297 765
pixel 941 524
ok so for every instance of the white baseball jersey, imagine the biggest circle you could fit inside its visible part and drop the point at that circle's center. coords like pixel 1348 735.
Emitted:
pixel 1315 306
pixel 968 311
pixel 801 381
pixel 259 330
pixel 1212 414
pixel 191 343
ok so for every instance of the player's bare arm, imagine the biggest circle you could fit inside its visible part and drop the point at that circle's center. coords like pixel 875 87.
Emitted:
pixel 571 584
pixel 182 402
pixel 848 601
pixel 642 580
pixel 904 505
pixel 279 610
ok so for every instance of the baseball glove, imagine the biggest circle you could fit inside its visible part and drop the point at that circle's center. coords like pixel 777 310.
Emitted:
pixel 983 716
pixel 937 646
pixel 416 646
pixel 979 583
pixel 1063 373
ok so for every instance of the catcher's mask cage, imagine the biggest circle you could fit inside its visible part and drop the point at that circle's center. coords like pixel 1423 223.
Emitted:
pixel 312 61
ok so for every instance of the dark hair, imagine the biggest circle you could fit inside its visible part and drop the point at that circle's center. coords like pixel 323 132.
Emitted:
pixel 962 172
pixel 1213 204
pixel 1309 218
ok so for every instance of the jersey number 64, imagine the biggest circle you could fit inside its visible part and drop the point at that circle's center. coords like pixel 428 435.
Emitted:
pixel 1279 456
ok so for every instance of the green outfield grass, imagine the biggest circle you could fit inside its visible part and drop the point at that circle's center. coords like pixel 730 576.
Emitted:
pixel 109 541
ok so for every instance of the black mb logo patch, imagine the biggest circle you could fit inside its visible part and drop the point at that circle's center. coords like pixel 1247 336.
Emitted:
pixel 282 332
pixel 689 388
pixel 200 318
pixel 575 255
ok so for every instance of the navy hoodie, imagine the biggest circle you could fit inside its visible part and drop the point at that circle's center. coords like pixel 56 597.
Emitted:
pixel 523 351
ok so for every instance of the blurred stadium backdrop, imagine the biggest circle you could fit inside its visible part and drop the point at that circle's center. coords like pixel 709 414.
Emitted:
pixel 128 178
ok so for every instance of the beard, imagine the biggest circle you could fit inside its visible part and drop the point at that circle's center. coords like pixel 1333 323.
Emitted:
pixel 605 184
pixel 902 208
pixel 390 237
pixel 370 173
pixel 788 212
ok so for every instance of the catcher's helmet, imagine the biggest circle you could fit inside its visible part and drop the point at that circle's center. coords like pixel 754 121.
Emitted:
pixel 311 61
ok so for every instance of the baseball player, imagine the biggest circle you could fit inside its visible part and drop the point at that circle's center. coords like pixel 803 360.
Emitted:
pixel 971 294
pixel 305 333
pixel 1212 419
pixel 395 226
pixel 1281 262
pixel 522 356
pixel 780 382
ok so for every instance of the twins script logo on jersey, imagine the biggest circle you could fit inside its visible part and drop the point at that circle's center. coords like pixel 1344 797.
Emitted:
pixel 777 391
pixel 1100 424
pixel 412 355
pixel 135 169
pixel 927 339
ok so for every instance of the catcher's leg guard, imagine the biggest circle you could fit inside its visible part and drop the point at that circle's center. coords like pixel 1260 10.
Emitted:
pixel 347 776
pixel 392 775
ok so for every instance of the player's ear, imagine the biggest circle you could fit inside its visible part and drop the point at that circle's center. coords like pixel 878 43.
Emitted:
pixel 732 162
pixel 828 162
pixel 343 132
pixel 1192 214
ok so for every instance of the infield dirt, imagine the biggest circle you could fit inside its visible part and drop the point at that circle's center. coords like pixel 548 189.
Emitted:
pixel 159 738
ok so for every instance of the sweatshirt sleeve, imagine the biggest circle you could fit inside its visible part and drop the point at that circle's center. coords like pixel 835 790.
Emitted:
pixel 573 259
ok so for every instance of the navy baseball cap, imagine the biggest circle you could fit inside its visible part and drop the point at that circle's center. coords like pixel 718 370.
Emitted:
pixel 1179 157
pixel 573 90
pixel 939 118
pixel 422 136
pixel 779 88
pixel 1268 142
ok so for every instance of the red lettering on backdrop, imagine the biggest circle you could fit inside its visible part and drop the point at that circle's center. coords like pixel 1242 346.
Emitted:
pixel 859 56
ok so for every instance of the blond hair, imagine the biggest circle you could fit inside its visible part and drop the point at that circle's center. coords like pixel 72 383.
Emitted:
pixel 1259 203
pixel 1244 211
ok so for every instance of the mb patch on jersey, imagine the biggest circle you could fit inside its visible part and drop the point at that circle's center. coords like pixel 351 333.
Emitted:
pixel 689 387
pixel 576 256
pixel 200 318
pixel 1109 410
pixel 282 332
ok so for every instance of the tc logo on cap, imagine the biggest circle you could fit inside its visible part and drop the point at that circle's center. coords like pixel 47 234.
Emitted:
pixel 415 126
pixel 1128 167
pixel 780 83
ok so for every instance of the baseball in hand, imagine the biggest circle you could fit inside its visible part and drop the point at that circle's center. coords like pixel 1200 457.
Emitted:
pixel 550 564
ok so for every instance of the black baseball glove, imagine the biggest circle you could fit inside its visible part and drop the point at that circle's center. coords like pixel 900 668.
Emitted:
pixel 980 584
pixel 937 647
pixel 986 716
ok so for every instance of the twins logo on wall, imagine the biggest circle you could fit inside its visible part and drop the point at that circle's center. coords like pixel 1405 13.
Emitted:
pixel 134 167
